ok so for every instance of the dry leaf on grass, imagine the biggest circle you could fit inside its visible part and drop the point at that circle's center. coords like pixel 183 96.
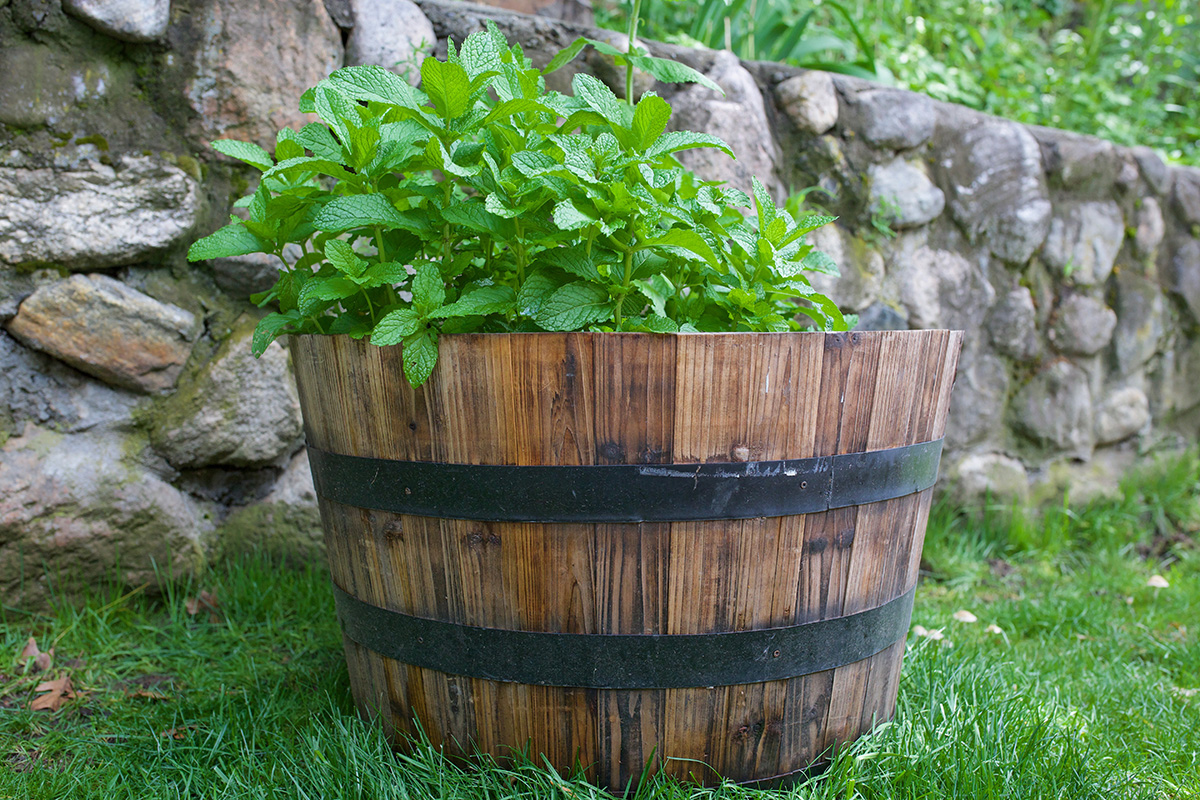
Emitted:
pixel 1158 582
pixel 178 733
pixel 149 694
pixel 56 693
pixel 963 615
pixel 205 601
pixel 34 657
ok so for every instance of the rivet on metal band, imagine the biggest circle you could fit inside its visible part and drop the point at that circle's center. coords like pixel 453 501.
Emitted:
pixel 604 493
pixel 625 661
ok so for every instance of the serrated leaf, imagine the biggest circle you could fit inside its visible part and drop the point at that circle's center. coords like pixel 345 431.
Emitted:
pixel 817 261
pixel 519 105
pixel 669 71
pixel 481 302
pixel 343 258
pixel 569 218
pixel 533 292
pixel 601 99
pixel 317 138
pixel 251 154
pixel 685 239
pixel 420 356
pixel 656 323
pixel 428 290
pixel 650 118
pixel 321 166
pixel 287 145
pixel 573 307
pixel 531 162
pixel 448 86
pixel 232 240
pixel 658 290
pixel 269 328
pixel 766 204
pixel 495 205
pixel 479 54
pixel 674 141
pixel 395 326
pixel 565 56
pixel 321 290
pixel 371 82
pixel 358 211
pixel 335 110
pixel 474 215
pixel 385 274
pixel 573 260
pixel 355 327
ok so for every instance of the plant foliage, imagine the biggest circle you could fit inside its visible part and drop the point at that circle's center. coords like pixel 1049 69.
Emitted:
pixel 484 202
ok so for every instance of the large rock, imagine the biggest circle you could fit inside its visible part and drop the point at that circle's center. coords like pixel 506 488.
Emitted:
pixel 989 477
pixel 740 118
pixel 1187 194
pixel 1055 410
pixel 1084 240
pixel 98 217
pixel 902 194
pixel 977 405
pixel 37 388
pixel 1150 229
pixel 1080 163
pixel 392 34
pixel 42 84
pixel 128 20
pixel 77 510
pixel 1012 325
pixel 251 61
pixel 996 189
pixel 1122 414
pixel 892 118
pixel 810 101
pixel 939 288
pixel 285 524
pixel 1152 169
pixel 1140 321
pixel 236 411
pixel 17 284
pixel 1083 326
pixel 104 328
pixel 860 269
pixel 577 11
pixel 1183 278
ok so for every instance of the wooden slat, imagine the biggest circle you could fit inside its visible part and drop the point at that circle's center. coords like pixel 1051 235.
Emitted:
pixel 591 398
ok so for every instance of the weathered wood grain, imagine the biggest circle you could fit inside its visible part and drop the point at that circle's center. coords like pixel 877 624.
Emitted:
pixel 569 399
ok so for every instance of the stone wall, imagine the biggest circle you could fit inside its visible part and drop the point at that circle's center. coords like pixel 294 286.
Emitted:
pixel 140 438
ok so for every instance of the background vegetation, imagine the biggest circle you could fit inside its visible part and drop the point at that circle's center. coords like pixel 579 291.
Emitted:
pixel 1054 656
pixel 1124 70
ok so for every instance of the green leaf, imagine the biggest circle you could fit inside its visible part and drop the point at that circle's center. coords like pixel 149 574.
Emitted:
pixel 601 99
pixel 685 239
pixel 817 261
pixel 287 145
pixel 533 293
pixel 565 56
pixel 385 274
pixel 420 355
pixel 318 291
pixel 573 307
pixel 448 86
pixel 656 323
pixel 766 205
pixel 371 82
pixel 395 326
pixel 658 290
pixel 270 328
pixel 479 54
pixel 335 110
pixel 473 215
pixel 573 260
pixel 481 302
pixel 518 105
pixel 232 240
pixel 252 154
pixel 669 71
pixel 343 258
pixel 355 327
pixel 569 218
pixel 650 119
pixel 427 288
pixel 322 166
pixel 358 211
pixel 316 137
pixel 674 141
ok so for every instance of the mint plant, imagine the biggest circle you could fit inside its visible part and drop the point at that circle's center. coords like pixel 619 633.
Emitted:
pixel 484 202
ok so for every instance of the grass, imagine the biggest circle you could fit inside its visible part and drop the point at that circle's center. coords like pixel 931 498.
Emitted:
pixel 1090 689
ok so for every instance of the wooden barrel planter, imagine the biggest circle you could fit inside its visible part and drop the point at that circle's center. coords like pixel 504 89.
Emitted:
pixel 699 550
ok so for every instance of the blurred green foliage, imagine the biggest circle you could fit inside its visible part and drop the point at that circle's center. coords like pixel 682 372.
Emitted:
pixel 1124 70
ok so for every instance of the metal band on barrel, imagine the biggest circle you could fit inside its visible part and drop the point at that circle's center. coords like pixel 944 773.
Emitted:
pixel 606 493
pixel 625 661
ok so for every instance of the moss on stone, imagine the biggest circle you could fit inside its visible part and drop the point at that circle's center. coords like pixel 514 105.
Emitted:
pixel 289 533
